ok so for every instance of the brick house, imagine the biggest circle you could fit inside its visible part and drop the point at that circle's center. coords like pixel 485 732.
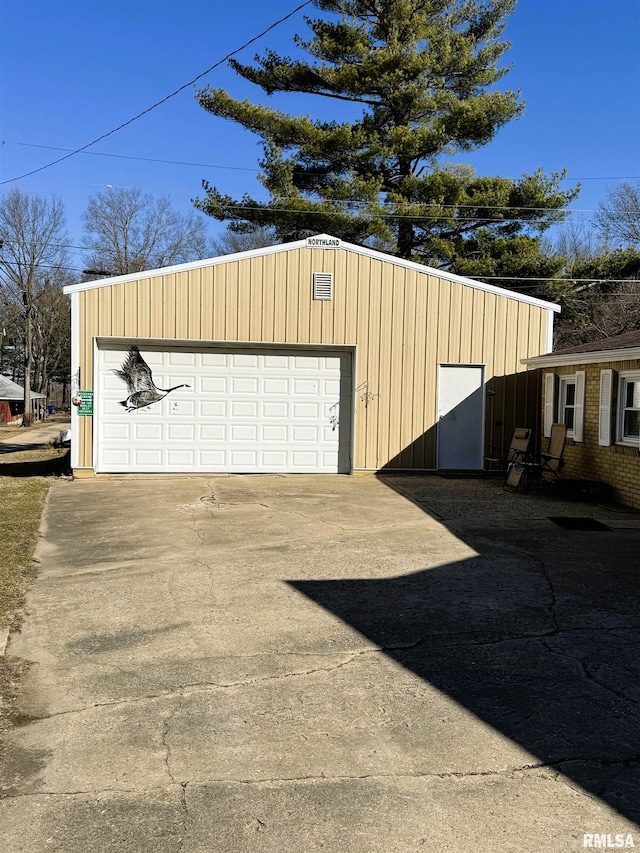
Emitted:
pixel 595 390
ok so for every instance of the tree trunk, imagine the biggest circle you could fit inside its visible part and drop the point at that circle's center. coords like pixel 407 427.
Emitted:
pixel 28 364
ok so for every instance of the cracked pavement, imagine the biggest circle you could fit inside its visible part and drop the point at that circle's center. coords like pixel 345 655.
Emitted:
pixel 293 663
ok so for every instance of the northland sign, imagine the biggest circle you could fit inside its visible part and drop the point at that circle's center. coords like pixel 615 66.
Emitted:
pixel 322 241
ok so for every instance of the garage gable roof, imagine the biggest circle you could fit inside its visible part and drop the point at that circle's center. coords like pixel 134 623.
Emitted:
pixel 319 241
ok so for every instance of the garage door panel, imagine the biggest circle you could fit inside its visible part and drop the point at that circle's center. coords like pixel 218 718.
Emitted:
pixel 244 360
pixel 245 411
pixel 274 433
pixel 305 410
pixel 279 386
pixel 243 433
pixel 212 385
pixel 146 457
pixel 116 432
pixel 275 459
pixel 275 410
pixel 212 432
pixel 213 409
pixel 305 362
pixel 182 358
pixel 117 457
pixel 243 459
pixel 276 362
pixel 176 432
pixel 308 387
pixel 147 432
pixel 181 459
pixel 305 433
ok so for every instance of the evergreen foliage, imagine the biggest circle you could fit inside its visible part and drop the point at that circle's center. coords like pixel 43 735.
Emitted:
pixel 421 76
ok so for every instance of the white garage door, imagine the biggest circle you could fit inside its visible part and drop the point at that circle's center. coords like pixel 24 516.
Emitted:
pixel 239 411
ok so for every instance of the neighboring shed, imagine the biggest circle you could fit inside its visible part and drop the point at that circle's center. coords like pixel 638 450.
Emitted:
pixel 314 356
pixel 12 402
pixel 595 389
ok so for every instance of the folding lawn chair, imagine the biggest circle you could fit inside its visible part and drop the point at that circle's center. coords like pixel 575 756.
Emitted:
pixel 516 452
pixel 552 461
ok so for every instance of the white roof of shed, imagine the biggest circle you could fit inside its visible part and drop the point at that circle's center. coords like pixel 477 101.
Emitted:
pixel 10 390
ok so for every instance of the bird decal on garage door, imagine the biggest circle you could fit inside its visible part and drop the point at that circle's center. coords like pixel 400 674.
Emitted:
pixel 137 375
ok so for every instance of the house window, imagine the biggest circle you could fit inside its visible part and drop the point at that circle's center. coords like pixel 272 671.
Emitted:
pixel 568 407
pixel 629 408
pixel 567 403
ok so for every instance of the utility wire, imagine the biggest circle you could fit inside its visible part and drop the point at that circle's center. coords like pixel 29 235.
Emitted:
pixel 132 157
pixel 163 100
pixel 551 279
pixel 253 169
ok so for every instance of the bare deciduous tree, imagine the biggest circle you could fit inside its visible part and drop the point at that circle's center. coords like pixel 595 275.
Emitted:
pixel 618 219
pixel 232 241
pixel 33 238
pixel 51 335
pixel 130 231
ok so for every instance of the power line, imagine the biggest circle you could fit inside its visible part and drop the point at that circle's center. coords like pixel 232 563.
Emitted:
pixel 163 100
pixel 133 157
pixel 253 169
pixel 548 279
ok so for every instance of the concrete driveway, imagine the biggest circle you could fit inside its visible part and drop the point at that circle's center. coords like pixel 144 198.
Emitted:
pixel 278 664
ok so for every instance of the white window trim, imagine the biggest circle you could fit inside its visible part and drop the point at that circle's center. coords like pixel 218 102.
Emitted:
pixel 577 379
pixel 623 377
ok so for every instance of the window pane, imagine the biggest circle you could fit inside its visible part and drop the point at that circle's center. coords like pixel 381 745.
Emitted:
pixel 570 394
pixel 568 418
pixel 632 424
pixel 633 395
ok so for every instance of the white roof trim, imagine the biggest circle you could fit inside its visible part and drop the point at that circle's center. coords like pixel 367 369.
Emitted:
pixel 302 244
pixel 571 358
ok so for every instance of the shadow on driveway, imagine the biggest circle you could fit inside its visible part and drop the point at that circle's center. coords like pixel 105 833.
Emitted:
pixel 538 635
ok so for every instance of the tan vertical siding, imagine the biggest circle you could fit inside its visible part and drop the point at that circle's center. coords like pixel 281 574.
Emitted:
pixel 368 357
pixel 293 297
pixel 219 302
pixel 444 311
pixel 384 381
pixel 477 354
pixel 339 298
pixel 243 316
pixel 268 299
pixel 206 303
pixel 403 323
pixel 466 325
pixel 408 373
pixel 194 305
pixel 488 351
pixel 280 298
pixel 396 283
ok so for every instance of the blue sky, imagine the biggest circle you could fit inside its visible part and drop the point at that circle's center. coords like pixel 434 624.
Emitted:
pixel 71 70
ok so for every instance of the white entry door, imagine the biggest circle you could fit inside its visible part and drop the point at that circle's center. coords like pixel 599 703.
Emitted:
pixel 461 416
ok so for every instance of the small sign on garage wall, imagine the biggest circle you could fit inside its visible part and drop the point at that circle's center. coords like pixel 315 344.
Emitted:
pixel 86 406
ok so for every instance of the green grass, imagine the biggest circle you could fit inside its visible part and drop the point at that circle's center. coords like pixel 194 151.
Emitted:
pixel 21 504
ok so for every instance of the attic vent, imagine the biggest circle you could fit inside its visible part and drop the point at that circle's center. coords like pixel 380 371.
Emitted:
pixel 323 285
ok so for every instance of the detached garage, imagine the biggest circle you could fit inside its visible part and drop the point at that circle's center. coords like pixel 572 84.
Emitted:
pixel 314 357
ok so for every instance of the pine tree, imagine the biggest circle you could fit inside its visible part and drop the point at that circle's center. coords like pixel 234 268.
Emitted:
pixel 421 76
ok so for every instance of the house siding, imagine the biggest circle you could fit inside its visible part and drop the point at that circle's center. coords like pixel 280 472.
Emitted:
pixel 403 324
pixel 616 465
